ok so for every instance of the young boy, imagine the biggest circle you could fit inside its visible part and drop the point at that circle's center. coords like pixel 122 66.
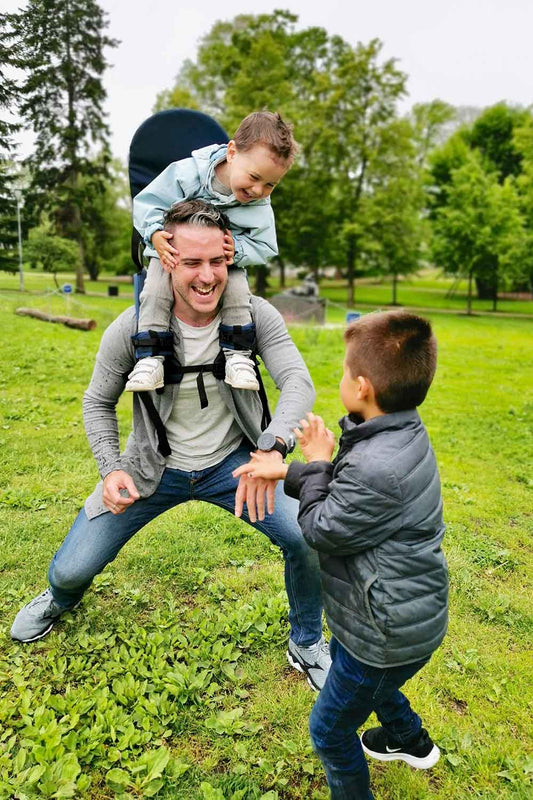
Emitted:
pixel 375 516
pixel 237 177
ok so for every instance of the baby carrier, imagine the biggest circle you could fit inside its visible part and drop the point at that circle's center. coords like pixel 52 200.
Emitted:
pixel 163 138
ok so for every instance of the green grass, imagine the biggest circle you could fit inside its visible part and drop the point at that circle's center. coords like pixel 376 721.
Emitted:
pixel 171 680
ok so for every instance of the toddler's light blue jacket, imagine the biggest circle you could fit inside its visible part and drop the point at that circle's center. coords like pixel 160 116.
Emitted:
pixel 252 224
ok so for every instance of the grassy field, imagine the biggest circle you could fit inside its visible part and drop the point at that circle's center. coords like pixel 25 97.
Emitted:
pixel 170 680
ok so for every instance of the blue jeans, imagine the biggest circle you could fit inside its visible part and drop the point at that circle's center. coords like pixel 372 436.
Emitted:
pixel 92 544
pixel 352 691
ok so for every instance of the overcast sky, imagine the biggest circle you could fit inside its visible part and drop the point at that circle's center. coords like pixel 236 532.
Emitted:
pixel 467 52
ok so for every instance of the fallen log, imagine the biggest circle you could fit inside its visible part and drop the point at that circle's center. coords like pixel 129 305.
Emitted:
pixel 70 322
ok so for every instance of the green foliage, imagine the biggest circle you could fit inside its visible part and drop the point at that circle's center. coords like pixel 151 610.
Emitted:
pixel 61 99
pixel 189 624
pixel 342 101
pixel 480 231
pixel 51 253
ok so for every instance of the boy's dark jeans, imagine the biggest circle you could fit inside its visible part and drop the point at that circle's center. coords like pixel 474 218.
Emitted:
pixel 352 691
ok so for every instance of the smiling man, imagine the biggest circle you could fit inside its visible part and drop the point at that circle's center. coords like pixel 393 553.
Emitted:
pixel 209 429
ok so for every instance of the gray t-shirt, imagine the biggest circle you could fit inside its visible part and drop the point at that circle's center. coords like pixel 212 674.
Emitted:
pixel 200 437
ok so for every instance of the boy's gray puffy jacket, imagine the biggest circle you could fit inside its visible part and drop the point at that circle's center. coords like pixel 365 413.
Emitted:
pixel 375 516
pixel 252 224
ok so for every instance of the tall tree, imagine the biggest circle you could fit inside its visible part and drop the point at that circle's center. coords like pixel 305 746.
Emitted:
pixel 479 233
pixel 8 170
pixel 360 108
pixel 60 46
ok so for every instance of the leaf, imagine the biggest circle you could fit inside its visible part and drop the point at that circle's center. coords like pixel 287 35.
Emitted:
pixel 153 787
pixel 453 759
pixel 156 761
pixel 117 779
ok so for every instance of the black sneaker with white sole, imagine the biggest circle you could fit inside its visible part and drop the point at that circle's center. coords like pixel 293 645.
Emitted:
pixel 420 753
pixel 314 661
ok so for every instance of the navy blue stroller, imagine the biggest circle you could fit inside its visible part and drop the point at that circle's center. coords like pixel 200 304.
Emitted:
pixel 163 138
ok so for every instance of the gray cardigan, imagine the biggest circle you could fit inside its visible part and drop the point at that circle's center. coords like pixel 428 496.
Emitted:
pixel 141 458
pixel 375 517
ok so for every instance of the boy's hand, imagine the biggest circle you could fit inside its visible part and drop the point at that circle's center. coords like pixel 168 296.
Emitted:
pixel 316 441
pixel 262 465
pixel 229 248
pixel 165 251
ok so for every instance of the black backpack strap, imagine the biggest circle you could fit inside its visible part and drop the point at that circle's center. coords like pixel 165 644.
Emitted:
pixel 164 447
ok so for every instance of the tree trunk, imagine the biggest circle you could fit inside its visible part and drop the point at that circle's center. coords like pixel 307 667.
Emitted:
pixel 394 289
pixel 73 174
pixel 469 296
pixel 261 282
pixel 350 263
pixel 281 263
pixel 70 322
pixel 495 295
pixel 485 289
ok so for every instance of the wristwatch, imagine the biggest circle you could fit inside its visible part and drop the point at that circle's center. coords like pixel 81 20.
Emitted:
pixel 267 441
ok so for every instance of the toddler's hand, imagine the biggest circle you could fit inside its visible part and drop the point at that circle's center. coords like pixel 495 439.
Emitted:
pixel 229 248
pixel 316 441
pixel 165 251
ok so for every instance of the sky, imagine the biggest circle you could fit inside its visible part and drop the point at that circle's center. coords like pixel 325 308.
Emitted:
pixel 469 52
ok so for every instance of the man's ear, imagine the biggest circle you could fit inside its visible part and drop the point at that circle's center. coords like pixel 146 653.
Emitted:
pixel 232 150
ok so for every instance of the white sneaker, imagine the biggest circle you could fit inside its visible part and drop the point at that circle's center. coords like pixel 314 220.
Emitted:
pixel 148 374
pixel 240 372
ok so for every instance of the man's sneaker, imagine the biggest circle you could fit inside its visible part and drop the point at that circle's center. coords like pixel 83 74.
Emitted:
pixel 148 374
pixel 240 372
pixel 420 753
pixel 314 661
pixel 37 618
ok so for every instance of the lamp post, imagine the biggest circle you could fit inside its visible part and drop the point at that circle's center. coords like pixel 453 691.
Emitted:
pixel 18 196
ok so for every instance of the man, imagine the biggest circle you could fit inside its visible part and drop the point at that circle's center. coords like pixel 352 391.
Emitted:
pixel 207 442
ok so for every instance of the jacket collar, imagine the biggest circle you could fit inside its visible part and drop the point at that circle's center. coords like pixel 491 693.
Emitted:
pixel 354 428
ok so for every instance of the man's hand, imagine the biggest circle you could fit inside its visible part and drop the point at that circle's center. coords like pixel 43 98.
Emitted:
pixel 316 441
pixel 167 254
pixel 119 491
pixel 252 491
pixel 228 247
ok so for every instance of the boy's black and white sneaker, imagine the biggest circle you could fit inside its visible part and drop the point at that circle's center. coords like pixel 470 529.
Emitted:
pixel 313 661
pixel 420 753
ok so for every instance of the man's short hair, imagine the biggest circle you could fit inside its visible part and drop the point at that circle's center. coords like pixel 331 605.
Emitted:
pixel 268 129
pixel 195 212
pixel 397 352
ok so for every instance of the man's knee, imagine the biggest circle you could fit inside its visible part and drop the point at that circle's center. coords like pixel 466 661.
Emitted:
pixel 68 577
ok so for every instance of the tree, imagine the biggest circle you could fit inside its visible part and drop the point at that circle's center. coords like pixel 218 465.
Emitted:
pixel 479 233
pixel 392 213
pixel 51 253
pixel 60 46
pixel 8 169
pixel 360 109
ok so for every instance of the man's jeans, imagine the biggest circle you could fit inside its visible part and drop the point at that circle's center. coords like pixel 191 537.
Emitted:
pixel 92 544
pixel 352 691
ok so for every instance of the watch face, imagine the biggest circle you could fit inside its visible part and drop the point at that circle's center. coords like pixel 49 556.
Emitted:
pixel 266 441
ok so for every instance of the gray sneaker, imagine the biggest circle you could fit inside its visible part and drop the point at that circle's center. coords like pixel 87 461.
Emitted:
pixel 313 661
pixel 37 618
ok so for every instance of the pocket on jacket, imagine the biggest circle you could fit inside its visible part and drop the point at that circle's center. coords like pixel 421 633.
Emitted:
pixel 366 599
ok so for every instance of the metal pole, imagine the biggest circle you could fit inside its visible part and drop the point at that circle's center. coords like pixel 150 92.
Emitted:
pixel 21 274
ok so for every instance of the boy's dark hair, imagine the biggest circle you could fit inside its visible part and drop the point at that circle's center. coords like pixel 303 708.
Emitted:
pixel 267 128
pixel 397 352
pixel 195 212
